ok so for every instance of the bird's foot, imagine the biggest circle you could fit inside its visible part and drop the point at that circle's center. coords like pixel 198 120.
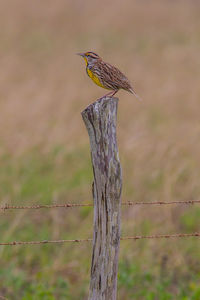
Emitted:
pixel 110 94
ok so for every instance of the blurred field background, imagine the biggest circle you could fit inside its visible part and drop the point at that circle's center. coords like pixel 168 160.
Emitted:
pixel 44 147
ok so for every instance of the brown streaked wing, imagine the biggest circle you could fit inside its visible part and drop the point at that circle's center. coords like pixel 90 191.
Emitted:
pixel 111 77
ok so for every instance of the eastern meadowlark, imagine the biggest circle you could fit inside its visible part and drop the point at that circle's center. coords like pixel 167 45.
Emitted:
pixel 106 75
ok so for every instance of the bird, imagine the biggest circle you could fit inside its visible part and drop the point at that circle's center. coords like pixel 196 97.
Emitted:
pixel 105 75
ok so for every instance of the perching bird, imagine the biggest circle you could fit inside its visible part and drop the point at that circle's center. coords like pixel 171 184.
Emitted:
pixel 106 75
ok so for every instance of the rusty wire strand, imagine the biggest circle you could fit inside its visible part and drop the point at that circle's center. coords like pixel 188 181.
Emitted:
pixel 74 205
pixel 39 206
pixel 136 237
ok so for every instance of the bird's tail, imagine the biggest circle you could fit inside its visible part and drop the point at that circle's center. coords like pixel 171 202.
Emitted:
pixel 131 90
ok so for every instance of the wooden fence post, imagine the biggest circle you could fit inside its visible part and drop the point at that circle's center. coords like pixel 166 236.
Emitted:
pixel 100 120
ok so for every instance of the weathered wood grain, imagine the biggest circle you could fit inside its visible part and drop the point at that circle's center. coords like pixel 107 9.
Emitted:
pixel 100 120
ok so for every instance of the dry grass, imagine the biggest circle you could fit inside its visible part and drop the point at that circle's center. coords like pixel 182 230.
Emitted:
pixel 43 84
pixel 43 88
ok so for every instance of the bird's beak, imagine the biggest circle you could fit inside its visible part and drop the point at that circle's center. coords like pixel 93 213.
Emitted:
pixel 81 54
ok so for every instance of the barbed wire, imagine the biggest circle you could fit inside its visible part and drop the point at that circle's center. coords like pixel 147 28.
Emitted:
pixel 74 205
pixel 44 242
pixel 39 206
pixel 161 202
pixel 161 236
pixel 136 237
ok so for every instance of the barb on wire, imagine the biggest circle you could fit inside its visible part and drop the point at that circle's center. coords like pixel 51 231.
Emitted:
pixel 74 205
pixel 136 237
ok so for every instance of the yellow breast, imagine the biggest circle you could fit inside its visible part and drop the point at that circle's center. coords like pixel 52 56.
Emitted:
pixel 94 78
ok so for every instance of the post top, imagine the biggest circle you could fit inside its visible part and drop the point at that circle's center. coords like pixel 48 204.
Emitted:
pixel 100 101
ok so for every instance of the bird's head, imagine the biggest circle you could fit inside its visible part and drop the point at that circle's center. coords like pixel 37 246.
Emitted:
pixel 89 57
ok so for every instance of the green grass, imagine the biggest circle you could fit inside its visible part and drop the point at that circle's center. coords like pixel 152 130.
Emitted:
pixel 42 178
pixel 62 271
pixel 138 284
pixel 18 283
